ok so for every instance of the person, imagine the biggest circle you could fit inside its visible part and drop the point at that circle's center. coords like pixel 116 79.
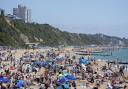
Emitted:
pixel 125 87
pixel 42 86
pixel 121 71
pixel 2 86
pixel 109 86
pixel 95 87
pixel 74 85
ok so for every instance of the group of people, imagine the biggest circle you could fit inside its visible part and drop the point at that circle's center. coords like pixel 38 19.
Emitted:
pixel 33 69
pixel 54 70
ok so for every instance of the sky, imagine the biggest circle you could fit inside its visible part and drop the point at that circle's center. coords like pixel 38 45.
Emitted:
pixel 109 17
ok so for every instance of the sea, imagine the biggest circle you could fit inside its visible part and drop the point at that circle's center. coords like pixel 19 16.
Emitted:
pixel 120 55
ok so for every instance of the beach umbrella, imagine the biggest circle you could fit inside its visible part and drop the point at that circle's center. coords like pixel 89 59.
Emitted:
pixel 63 80
pixel 21 83
pixel 59 58
pixel 71 77
pixel 84 61
pixel 66 85
pixel 38 62
pixel 54 66
pixel 44 64
pixel 35 69
pixel 4 80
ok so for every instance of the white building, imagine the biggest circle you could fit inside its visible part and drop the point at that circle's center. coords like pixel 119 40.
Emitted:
pixel 28 15
pixel 23 13
pixel 1 10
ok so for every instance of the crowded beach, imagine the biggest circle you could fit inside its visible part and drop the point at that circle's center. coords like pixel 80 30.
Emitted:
pixel 51 68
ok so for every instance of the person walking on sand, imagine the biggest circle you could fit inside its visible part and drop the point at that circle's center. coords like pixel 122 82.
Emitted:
pixel 121 70
pixel 125 87
pixel 74 85
pixel 109 86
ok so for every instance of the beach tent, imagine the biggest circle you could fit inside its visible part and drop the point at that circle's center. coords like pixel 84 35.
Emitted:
pixel 50 62
pixel 35 69
pixel 71 77
pixel 5 80
pixel 44 64
pixel 63 80
pixel 59 58
pixel 37 64
pixel 84 61
pixel 55 66
pixel 66 85
pixel 21 83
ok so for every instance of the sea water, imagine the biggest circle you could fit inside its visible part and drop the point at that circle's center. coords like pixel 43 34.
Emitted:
pixel 120 55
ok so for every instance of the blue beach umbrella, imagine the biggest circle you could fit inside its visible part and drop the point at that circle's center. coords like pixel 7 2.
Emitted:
pixel 84 61
pixel 74 69
pixel 71 77
pixel 66 85
pixel 37 62
pixel 21 83
pixel 63 80
pixel 44 64
pixel 4 80
pixel 59 58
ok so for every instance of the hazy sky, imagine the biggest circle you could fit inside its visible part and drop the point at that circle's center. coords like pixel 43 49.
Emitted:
pixel 82 16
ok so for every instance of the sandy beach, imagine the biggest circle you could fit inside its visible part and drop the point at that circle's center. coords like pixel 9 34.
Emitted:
pixel 83 78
